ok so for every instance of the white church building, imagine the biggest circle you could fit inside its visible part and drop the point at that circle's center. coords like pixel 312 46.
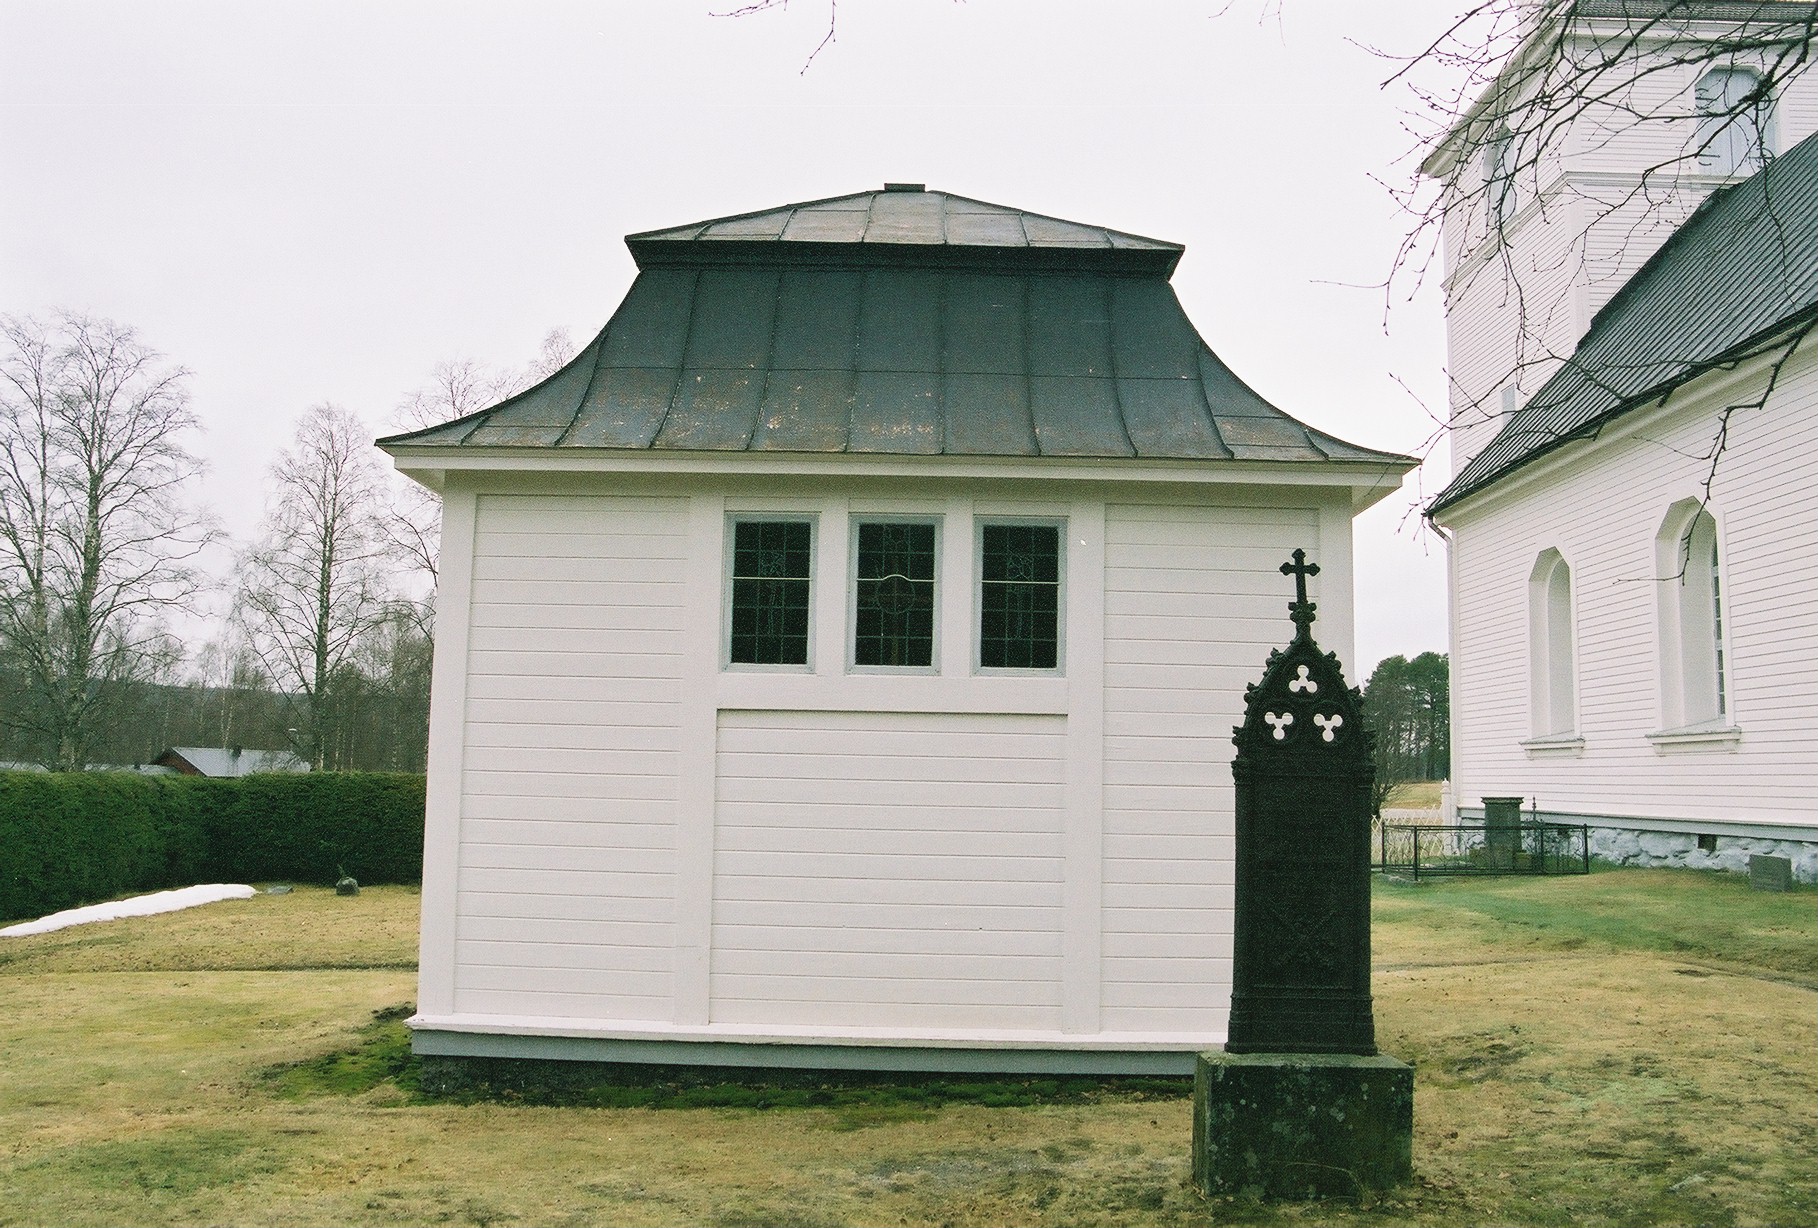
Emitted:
pixel 1633 517
pixel 837 662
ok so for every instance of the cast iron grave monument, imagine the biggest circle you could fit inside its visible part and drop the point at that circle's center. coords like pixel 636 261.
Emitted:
pixel 1299 1101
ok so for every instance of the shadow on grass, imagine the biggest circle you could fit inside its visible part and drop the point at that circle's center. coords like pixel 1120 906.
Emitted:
pixel 1688 914
pixel 382 1055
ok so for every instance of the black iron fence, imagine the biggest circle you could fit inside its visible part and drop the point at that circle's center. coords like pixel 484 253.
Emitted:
pixel 1496 848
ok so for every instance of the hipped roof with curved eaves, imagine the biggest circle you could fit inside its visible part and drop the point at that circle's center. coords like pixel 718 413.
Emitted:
pixel 903 322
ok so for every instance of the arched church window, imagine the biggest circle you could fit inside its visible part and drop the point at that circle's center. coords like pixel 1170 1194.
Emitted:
pixel 1694 671
pixel 1733 121
pixel 1552 687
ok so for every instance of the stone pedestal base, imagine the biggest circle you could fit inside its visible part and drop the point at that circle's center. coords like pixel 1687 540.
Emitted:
pixel 1294 1125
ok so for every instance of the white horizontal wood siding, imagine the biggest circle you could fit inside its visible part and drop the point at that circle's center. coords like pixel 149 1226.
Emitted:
pixel 1600 505
pixel 569 786
pixel 1518 303
pixel 651 843
pixel 1194 600
pixel 883 870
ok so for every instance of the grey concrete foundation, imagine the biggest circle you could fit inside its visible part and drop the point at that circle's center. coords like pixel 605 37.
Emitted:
pixel 1296 1125
pixel 433 1042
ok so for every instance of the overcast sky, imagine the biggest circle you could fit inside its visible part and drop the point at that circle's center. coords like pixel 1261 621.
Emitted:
pixel 305 202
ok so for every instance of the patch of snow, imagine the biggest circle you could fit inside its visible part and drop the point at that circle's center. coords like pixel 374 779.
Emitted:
pixel 137 906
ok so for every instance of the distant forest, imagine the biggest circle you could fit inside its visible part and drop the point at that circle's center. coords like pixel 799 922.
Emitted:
pixel 324 645
pixel 375 724
pixel 1409 707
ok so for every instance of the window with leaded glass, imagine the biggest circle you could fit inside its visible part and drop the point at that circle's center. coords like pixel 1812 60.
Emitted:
pixel 1019 596
pixel 894 615
pixel 770 591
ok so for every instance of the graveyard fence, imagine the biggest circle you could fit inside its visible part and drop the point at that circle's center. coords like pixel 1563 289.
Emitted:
pixel 1418 850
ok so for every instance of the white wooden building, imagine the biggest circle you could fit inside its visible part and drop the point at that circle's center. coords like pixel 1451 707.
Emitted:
pixel 1634 513
pixel 837 662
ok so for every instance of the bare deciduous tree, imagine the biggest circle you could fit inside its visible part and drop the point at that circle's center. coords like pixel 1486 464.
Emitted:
pixel 454 390
pixel 1509 85
pixel 317 578
pixel 96 538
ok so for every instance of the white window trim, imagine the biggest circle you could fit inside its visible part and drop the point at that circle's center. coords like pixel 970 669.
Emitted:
pixel 1717 737
pixel 1059 524
pixel 1715 134
pixel 1552 653
pixel 1498 182
pixel 1561 746
pixel 729 540
pixel 1684 726
pixel 855 521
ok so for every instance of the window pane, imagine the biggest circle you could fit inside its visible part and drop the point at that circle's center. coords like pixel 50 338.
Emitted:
pixel 1732 121
pixel 1019 597
pixel 770 592
pixel 1717 625
pixel 895 623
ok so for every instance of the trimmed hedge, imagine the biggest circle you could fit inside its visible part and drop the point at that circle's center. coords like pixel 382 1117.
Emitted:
pixel 68 839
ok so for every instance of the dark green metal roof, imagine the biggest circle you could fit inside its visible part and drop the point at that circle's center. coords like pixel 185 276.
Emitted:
pixel 921 334
pixel 1740 273
pixel 1696 10
pixel 904 224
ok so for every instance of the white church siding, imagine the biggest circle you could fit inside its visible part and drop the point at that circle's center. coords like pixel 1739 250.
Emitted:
pixel 953 858
pixel 1193 603
pixel 1601 505
pixel 1518 304
pixel 568 797
pixel 889 870
pixel 1497 338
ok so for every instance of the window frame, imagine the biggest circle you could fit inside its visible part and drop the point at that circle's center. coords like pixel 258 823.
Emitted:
pixel 1059 525
pixel 858 521
pixel 1697 682
pixel 1552 649
pixel 728 565
pixel 1498 181
pixel 1731 141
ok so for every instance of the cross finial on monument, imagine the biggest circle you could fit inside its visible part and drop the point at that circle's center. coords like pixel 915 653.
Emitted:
pixel 1300 609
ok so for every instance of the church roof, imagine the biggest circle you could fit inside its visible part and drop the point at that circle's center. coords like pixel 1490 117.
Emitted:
pixel 1730 283
pixel 904 223
pixel 899 322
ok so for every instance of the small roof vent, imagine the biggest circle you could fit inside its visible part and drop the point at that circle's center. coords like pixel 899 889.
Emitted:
pixel 905 187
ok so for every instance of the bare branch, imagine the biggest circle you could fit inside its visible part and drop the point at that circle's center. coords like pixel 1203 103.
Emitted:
pixel 1517 111
pixel 95 535
pixel 317 579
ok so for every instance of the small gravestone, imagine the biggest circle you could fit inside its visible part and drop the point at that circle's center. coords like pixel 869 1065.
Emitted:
pixel 1501 831
pixel 1299 1102
pixel 1770 873
pixel 347 884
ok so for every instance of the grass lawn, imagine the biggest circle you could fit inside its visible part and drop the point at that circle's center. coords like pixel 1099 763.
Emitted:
pixel 1417 795
pixel 1631 1047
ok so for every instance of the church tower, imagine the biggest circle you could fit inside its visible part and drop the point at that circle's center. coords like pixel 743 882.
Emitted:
pixel 1606 128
